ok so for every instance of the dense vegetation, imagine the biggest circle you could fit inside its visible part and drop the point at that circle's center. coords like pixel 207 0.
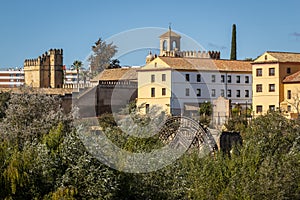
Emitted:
pixel 41 157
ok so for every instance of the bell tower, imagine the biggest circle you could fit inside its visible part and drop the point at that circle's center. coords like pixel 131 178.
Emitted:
pixel 169 43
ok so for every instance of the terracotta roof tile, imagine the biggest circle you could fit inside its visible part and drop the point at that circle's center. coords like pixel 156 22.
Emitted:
pixel 285 56
pixel 166 34
pixel 116 74
pixel 294 78
pixel 233 65
pixel 207 64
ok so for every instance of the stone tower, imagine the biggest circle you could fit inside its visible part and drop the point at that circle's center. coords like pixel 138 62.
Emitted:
pixel 169 42
pixel 46 71
pixel 170 46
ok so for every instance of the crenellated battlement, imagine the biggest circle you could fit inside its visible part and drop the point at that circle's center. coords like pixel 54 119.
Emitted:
pixel 170 46
pixel 56 51
pixel 43 58
pixel 46 70
pixel 32 62
pixel 193 54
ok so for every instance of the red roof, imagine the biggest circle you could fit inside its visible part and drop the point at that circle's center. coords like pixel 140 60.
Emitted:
pixel 294 78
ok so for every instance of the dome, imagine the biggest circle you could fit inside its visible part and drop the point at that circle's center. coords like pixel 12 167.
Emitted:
pixel 150 57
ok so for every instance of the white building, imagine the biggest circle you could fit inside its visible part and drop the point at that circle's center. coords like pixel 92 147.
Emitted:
pixel 179 81
pixel 11 78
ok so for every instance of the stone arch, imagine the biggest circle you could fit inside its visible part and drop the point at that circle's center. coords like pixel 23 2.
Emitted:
pixel 165 45
pixel 174 45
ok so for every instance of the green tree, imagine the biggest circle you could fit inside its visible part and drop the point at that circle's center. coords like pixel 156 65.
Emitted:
pixel 77 65
pixel 102 54
pixel 114 63
pixel 233 43
pixel 4 98
pixel 205 112
pixel 267 166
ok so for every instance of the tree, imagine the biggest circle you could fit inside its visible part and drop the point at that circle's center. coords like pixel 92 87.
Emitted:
pixel 4 97
pixel 77 65
pixel 102 54
pixel 233 43
pixel 29 116
pixel 114 63
pixel 205 112
pixel 295 102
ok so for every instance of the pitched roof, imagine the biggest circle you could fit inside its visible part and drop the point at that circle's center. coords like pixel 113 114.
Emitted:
pixel 116 74
pixel 294 78
pixel 166 34
pixel 233 65
pixel 207 64
pixel 285 56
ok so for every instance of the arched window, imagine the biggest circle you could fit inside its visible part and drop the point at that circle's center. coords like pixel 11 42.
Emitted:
pixel 165 45
pixel 174 45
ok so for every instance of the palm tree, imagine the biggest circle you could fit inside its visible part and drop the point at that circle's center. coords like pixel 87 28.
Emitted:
pixel 77 65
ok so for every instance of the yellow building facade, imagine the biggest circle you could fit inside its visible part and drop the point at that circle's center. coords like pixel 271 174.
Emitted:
pixel 46 71
pixel 154 87
pixel 291 104
pixel 269 71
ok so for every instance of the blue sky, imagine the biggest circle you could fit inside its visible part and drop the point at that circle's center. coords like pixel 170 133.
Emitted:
pixel 31 27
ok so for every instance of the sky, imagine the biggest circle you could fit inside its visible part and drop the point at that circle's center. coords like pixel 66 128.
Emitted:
pixel 31 27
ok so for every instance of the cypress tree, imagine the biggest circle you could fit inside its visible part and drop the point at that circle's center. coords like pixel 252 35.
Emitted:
pixel 233 43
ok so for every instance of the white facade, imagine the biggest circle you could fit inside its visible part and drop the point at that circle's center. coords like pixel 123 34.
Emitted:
pixel 190 82
pixel 70 77
pixel 11 78
pixel 208 86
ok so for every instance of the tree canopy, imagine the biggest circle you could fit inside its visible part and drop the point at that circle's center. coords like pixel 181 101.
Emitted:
pixel 43 157
pixel 101 56
pixel 233 43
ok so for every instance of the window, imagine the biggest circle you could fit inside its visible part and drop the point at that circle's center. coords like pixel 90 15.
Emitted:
pixel 229 78
pixel 174 45
pixel 259 72
pixel 152 78
pixel 152 92
pixel 222 78
pixel 288 70
pixel 238 93
pixel 163 77
pixel 187 77
pixel 247 79
pixel 213 92
pixel 289 94
pixel 198 77
pixel 258 87
pixel 222 92
pixel 289 108
pixel 238 79
pixel 198 92
pixel 271 87
pixel 228 93
pixel 163 91
pixel 271 71
pixel 187 92
pixel 271 107
pixel 213 78
pixel 246 93
pixel 165 45
pixel 147 108
pixel 259 109
pixel 266 57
